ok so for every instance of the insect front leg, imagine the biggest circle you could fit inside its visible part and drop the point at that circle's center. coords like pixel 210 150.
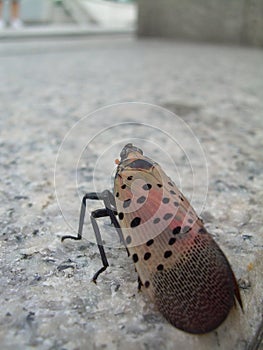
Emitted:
pixel 111 212
pixel 81 217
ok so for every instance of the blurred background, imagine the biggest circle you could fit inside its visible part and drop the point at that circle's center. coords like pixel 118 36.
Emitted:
pixel 238 21
pixel 72 13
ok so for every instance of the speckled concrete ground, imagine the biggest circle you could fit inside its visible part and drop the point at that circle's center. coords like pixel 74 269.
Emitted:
pixel 47 299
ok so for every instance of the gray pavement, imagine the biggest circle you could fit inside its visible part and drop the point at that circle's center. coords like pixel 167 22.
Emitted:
pixel 49 91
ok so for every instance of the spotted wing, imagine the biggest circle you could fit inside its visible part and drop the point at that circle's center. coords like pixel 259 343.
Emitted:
pixel 180 265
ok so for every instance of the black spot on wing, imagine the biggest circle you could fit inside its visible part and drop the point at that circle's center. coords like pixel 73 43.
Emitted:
pixel 147 256
pixel 141 199
pixel 135 258
pixel 146 187
pixel 150 242
pixel 165 200
pixel 147 284
pixel 168 216
pixel 126 203
pixel 167 254
pixel 135 222
pixel 177 230
pixel 160 267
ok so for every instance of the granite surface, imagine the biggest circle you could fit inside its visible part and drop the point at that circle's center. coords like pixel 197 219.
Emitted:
pixel 67 107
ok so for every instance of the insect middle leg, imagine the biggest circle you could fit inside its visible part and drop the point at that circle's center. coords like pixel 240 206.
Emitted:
pixel 94 215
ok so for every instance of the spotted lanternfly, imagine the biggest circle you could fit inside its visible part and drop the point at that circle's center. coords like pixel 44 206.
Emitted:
pixel 180 266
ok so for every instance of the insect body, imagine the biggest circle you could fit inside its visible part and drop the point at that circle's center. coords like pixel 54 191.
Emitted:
pixel 180 266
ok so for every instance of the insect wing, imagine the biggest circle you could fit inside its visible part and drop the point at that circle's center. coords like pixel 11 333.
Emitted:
pixel 182 268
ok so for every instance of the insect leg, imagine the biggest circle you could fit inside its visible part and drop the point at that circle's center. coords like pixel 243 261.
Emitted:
pixel 94 215
pixel 92 196
pixel 98 214
pixel 109 203
pixel 110 210
pixel 139 284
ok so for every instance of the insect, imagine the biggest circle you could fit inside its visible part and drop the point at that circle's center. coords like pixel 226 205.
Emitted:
pixel 179 265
